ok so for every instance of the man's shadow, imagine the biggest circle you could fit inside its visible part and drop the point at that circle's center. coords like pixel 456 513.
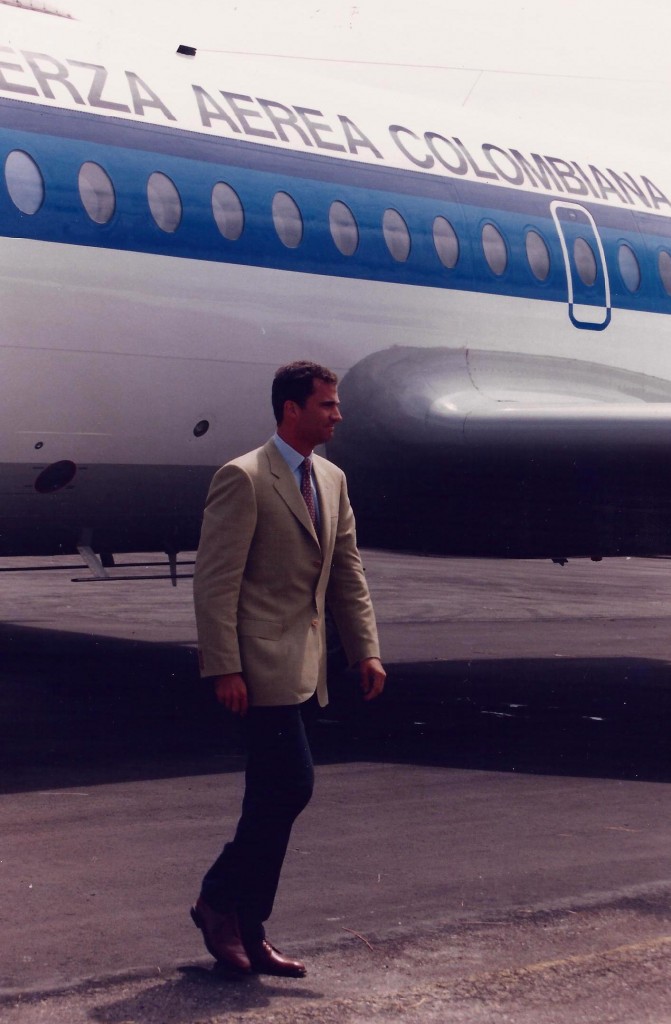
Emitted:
pixel 199 994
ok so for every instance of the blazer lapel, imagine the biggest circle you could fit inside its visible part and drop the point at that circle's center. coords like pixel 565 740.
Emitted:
pixel 285 485
pixel 329 500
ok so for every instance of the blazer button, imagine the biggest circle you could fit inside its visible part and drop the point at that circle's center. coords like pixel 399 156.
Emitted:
pixel 314 623
pixel 317 565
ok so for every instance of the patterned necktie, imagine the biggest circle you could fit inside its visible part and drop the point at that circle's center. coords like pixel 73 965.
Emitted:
pixel 306 489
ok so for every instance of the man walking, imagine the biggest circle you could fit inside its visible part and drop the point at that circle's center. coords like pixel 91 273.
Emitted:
pixel 278 544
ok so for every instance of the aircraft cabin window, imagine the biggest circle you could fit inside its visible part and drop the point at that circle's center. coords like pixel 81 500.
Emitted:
pixel 494 249
pixel 96 192
pixel 24 181
pixel 538 255
pixel 629 267
pixel 287 220
pixel 664 265
pixel 585 261
pixel 344 230
pixel 396 235
pixel 164 202
pixel 446 242
pixel 227 210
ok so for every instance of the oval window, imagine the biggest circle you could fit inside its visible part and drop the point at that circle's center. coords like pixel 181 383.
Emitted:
pixel 164 201
pixel 287 220
pixel 344 230
pixel 585 261
pixel 494 249
pixel 538 255
pixel 227 210
pixel 664 265
pixel 396 235
pixel 629 267
pixel 446 242
pixel 24 180
pixel 96 192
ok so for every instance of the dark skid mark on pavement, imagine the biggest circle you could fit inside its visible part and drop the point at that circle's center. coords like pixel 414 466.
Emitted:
pixel 77 709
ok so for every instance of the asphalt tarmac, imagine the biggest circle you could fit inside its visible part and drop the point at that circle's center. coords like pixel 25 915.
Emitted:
pixel 488 842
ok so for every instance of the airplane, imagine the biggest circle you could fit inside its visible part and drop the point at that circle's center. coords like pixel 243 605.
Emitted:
pixel 494 295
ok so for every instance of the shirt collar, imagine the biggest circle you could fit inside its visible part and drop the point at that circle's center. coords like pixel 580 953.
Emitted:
pixel 289 454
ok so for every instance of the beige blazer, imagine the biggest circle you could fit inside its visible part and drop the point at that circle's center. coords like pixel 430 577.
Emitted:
pixel 263 577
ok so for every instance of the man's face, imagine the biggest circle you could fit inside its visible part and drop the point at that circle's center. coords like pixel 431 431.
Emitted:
pixel 316 421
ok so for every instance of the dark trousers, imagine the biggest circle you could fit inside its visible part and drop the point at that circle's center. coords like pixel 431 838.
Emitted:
pixel 278 785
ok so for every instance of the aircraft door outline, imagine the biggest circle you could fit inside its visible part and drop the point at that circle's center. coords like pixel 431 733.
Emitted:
pixel 589 305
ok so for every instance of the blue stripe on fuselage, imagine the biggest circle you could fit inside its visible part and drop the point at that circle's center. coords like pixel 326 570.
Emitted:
pixel 60 141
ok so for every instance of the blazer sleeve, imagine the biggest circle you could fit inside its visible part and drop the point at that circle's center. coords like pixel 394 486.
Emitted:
pixel 347 594
pixel 228 527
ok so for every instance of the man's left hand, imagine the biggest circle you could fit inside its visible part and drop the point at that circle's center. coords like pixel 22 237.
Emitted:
pixel 372 677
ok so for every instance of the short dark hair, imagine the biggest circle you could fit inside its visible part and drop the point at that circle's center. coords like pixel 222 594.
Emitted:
pixel 295 383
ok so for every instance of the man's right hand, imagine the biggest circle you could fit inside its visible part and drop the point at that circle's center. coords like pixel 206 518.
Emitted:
pixel 231 691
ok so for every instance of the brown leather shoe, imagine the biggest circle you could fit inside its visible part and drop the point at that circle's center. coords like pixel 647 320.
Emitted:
pixel 221 933
pixel 265 959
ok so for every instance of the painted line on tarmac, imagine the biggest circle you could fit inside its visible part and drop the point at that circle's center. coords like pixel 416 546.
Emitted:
pixel 585 958
pixel 507 978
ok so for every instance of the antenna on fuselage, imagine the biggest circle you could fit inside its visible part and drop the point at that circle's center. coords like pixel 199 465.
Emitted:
pixel 186 51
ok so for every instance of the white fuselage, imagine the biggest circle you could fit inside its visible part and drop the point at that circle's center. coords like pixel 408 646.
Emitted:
pixel 119 339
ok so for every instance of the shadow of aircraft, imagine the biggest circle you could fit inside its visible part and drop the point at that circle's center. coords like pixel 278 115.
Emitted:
pixel 78 708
